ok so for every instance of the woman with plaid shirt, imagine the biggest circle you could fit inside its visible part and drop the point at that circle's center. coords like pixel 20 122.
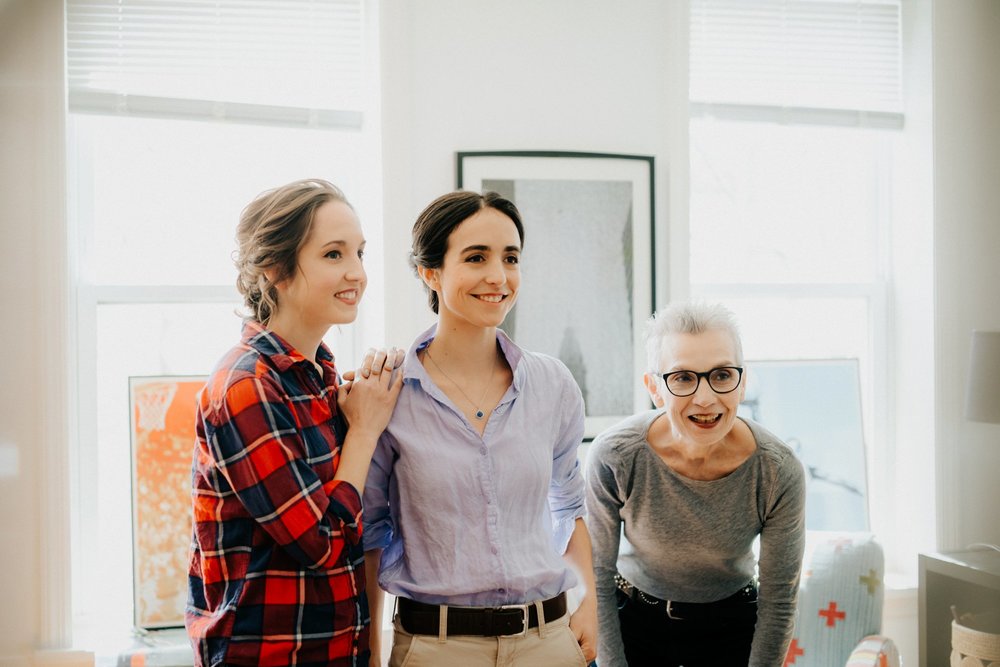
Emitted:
pixel 276 574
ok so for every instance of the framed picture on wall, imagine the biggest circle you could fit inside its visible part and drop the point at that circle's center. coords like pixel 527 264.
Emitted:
pixel 162 412
pixel 587 265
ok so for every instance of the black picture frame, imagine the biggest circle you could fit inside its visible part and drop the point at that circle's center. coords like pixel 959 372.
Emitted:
pixel 588 265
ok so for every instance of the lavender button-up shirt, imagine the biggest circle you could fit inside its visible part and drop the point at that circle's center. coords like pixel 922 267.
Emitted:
pixel 478 521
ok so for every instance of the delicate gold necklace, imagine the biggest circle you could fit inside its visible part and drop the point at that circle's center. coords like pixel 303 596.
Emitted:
pixel 489 383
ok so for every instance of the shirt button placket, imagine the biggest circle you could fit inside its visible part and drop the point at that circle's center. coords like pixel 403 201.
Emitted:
pixel 492 516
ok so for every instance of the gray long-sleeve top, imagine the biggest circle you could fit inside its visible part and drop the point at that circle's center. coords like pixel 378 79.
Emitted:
pixel 692 541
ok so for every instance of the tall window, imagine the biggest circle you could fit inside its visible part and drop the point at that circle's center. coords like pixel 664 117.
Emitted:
pixel 796 108
pixel 180 113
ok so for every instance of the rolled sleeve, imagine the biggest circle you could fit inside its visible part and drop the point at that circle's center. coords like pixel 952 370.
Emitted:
pixel 566 491
pixel 377 512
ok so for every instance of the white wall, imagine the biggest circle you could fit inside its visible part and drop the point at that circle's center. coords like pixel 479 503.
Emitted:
pixel 561 75
pixel 900 474
pixel 468 75
pixel 33 490
pixel 601 77
pixel 583 75
pixel 967 259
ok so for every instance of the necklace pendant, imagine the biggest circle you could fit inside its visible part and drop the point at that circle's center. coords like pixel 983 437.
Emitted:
pixel 479 414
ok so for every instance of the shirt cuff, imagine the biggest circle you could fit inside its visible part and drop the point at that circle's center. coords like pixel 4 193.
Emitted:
pixel 345 504
pixel 562 529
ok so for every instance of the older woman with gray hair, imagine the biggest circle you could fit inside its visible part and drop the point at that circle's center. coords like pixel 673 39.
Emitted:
pixel 678 496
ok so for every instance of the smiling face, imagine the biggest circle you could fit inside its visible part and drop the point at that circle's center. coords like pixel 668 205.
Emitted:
pixel 705 417
pixel 478 281
pixel 329 277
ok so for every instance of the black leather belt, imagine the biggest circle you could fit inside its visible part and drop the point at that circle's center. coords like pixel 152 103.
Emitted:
pixel 509 620
pixel 680 611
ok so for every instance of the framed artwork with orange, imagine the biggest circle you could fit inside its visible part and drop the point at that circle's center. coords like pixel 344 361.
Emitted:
pixel 163 433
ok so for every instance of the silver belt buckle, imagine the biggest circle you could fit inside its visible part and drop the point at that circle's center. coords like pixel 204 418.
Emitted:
pixel 670 613
pixel 524 618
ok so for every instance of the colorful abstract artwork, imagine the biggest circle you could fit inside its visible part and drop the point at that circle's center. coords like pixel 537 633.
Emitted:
pixel 163 418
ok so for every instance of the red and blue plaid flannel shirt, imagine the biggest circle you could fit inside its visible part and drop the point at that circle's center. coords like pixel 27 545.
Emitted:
pixel 277 567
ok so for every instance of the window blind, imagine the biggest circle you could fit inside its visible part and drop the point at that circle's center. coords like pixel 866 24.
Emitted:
pixel 814 55
pixel 289 62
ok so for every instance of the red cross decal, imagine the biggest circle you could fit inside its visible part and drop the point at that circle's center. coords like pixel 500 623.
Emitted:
pixel 839 543
pixel 832 615
pixel 793 652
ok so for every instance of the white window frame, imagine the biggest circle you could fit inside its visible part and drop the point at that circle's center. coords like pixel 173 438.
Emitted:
pixel 898 470
pixel 878 419
pixel 86 297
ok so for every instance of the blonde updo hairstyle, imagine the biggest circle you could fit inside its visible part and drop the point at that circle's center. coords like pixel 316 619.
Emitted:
pixel 271 230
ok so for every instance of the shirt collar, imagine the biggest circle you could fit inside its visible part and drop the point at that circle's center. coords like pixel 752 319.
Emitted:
pixel 277 349
pixel 414 370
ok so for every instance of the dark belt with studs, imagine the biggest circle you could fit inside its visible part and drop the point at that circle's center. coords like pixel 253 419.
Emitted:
pixel 680 611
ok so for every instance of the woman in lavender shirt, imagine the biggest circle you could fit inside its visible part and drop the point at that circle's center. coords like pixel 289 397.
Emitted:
pixel 474 504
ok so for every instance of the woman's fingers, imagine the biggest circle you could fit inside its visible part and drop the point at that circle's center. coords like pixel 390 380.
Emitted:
pixel 366 365
pixel 376 361
pixel 368 400
pixel 379 361
pixel 390 365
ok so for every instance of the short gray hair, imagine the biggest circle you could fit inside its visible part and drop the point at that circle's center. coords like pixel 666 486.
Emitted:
pixel 689 317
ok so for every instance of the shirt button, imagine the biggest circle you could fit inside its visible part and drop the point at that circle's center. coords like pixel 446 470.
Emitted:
pixel 484 451
pixel 494 550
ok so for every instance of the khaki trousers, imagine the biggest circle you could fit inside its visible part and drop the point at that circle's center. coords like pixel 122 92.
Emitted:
pixel 551 644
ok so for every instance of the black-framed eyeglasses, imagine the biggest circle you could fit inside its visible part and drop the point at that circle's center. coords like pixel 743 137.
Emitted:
pixel 722 380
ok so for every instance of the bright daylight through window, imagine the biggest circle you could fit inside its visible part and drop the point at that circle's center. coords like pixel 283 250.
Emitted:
pixel 181 113
pixel 794 110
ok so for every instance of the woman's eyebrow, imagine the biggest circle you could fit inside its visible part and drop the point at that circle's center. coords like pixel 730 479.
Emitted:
pixel 484 248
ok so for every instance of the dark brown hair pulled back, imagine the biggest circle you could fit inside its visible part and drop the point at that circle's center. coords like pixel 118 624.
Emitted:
pixel 439 219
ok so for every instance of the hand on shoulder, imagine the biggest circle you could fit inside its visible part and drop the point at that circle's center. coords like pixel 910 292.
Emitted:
pixel 368 395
